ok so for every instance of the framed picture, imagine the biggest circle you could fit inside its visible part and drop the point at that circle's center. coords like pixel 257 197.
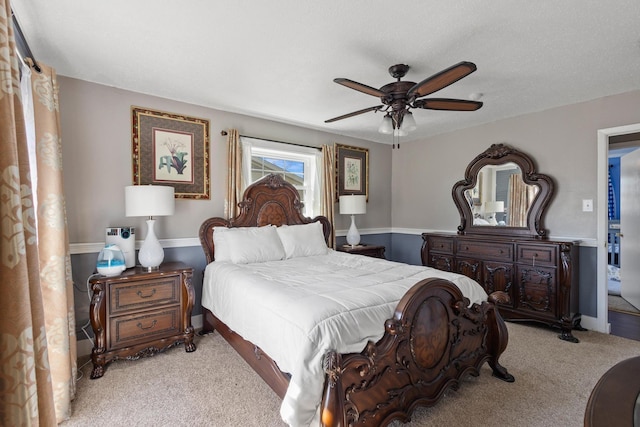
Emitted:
pixel 352 170
pixel 171 149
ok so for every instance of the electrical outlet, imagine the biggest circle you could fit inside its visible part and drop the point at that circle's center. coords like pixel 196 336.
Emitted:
pixel 587 205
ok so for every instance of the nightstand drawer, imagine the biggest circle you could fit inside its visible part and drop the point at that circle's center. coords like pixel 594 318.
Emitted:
pixel 126 330
pixel 128 295
pixel 485 250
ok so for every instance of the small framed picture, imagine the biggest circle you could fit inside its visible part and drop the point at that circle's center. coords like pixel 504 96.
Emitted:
pixel 171 149
pixel 352 170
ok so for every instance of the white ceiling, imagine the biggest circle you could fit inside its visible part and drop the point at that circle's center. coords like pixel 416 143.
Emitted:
pixel 277 59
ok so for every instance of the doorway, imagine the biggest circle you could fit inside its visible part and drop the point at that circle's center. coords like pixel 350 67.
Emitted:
pixel 623 228
pixel 618 135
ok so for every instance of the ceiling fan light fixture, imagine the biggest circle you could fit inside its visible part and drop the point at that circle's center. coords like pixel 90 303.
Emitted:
pixel 408 122
pixel 386 127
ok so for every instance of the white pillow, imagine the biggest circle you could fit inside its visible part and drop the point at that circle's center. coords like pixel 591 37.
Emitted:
pixel 303 240
pixel 243 245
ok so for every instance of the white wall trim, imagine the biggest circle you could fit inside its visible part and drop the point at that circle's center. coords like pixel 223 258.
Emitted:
pixel 593 324
pixel 94 248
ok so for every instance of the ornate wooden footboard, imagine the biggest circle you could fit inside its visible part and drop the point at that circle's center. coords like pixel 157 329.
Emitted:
pixel 433 340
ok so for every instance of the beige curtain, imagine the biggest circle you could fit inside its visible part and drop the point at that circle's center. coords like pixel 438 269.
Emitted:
pixel 521 196
pixel 37 325
pixel 328 200
pixel 234 179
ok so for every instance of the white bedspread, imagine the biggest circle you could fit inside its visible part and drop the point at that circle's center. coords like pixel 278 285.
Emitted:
pixel 298 309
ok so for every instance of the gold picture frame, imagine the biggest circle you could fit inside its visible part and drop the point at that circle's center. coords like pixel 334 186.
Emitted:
pixel 352 171
pixel 171 149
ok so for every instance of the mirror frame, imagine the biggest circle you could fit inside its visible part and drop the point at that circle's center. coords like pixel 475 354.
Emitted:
pixel 499 154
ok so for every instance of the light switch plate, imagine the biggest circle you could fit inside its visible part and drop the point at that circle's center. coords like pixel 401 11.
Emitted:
pixel 587 205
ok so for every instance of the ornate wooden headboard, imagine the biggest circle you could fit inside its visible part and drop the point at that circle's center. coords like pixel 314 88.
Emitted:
pixel 269 201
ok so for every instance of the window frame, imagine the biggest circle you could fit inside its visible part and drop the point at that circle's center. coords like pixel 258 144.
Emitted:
pixel 309 156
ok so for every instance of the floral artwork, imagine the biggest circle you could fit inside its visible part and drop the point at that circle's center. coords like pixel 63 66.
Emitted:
pixel 352 181
pixel 352 170
pixel 173 152
pixel 170 149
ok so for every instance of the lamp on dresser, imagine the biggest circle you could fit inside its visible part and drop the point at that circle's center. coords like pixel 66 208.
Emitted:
pixel 150 201
pixel 353 205
pixel 490 210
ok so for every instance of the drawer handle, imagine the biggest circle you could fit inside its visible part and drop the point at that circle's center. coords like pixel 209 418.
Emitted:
pixel 153 292
pixel 139 325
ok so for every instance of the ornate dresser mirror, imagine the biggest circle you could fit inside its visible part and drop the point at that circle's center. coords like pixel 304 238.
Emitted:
pixel 502 194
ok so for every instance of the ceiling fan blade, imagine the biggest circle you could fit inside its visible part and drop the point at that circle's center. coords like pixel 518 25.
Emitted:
pixel 355 113
pixel 442 79
pixel 360 87
pixel 447 104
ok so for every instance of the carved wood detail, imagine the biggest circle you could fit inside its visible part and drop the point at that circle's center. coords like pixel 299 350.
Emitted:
pixel 498 154
pixel 431 343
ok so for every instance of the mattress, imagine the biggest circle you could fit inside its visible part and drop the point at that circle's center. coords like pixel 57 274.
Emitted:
pixel 298 309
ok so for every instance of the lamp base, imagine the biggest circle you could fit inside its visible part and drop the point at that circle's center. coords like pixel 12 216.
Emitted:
pixel 151 253
pixel 353 237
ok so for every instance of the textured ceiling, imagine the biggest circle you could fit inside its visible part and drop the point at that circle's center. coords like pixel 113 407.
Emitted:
pixel 277 60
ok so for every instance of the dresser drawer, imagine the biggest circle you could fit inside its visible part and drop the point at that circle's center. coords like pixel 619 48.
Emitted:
pixel 126 330
pixel 537 255
pixel 132 295
pixel 440 244
pixel 485 250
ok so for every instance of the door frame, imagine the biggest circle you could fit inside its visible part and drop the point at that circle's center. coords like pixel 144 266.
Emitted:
pixel 602 319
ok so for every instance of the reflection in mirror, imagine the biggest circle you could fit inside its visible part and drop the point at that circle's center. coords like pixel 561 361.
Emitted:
pixel 502 194
pixel 501 197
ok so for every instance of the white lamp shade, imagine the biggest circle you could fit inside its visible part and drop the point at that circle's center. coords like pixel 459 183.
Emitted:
pixel 494 206
pixel 353 205
pixel 149 200
pixel 386 127
pixel 408 122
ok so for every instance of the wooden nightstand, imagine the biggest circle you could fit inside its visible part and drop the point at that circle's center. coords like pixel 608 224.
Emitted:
pixel 140 313
pixel 375 251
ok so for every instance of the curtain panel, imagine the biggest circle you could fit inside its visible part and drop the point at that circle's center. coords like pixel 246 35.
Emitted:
pixel 234 175
pixel 37 325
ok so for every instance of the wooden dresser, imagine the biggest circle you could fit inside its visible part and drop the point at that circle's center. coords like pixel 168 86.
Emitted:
pixel 539 275
pixel 140 313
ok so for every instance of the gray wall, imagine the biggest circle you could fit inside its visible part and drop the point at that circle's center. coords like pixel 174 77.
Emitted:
pixel 96 132
pixel 410 188
pixel 563 143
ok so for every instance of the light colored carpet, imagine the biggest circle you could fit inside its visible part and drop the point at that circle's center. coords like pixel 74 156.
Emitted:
pixel 214 387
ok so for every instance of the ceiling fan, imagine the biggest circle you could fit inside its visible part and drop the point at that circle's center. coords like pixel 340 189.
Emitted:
pixel 400 96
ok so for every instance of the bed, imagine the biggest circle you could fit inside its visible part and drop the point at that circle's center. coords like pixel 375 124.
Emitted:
pixel 416 334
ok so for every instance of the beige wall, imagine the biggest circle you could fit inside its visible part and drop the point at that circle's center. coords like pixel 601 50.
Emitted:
pixel 96 131
pixel 562 141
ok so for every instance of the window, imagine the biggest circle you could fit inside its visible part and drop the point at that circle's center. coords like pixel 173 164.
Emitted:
pixel 299 166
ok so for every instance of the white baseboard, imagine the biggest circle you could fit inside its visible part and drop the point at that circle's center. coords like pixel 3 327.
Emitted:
pixel 592 324
pixel 86 345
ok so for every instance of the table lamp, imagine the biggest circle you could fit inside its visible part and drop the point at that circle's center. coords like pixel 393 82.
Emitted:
pixel 490 210
pixel 149 201
pixel 353 205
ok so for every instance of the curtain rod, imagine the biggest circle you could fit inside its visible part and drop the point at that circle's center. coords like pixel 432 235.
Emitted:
pixel 225 133
pixel 22 44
